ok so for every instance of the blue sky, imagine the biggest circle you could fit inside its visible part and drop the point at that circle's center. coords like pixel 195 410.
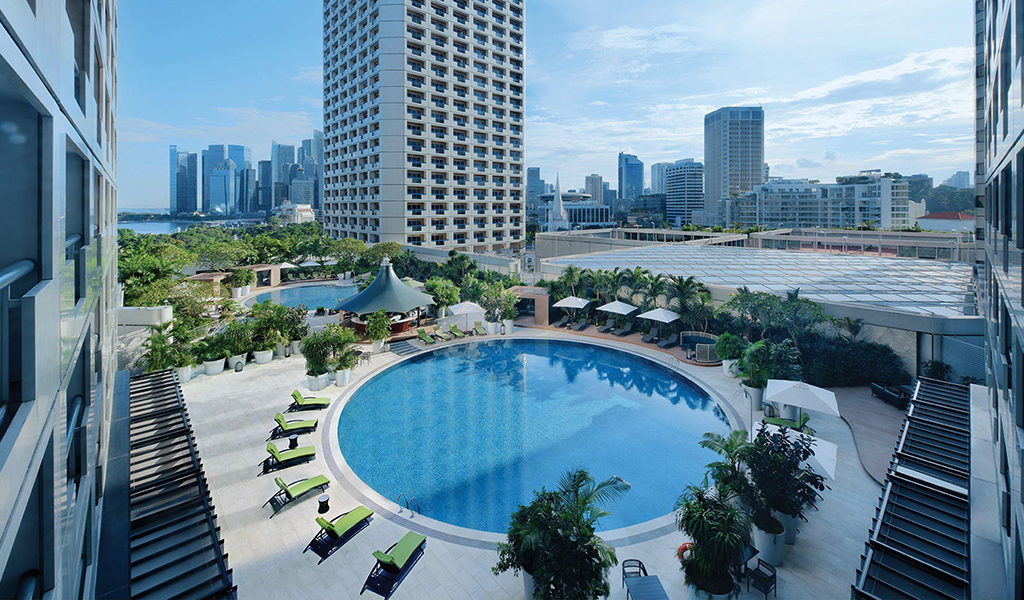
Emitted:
pixel 845 85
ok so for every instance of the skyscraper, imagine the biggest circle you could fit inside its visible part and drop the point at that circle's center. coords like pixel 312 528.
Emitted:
pixel 223 193
pixel 733 153
pixel 183 181
pixel 453 145
pixel 961 180
pixel 248 197
pixel 212 156
pixel 631 181
pixel 684 190
pixel 535 186
pixel 265 187
pixel 658 177
pixel 282 157
pixel 311 157
pixel 594 185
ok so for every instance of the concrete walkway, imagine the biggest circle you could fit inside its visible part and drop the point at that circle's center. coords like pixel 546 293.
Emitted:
pixel 232 414
pixel 876 427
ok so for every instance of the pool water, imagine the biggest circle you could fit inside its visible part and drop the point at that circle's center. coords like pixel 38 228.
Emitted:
pixel 326 295
pixel 472 430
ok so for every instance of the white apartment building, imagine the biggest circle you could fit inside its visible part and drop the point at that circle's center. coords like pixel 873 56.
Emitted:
pixel 594 185
pixel 733 153
pixel 424 115
pixel 684 190
pixel 58 281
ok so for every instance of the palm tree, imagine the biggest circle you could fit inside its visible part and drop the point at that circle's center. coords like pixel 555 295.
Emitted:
pixel 852 327
pixel 702 311
pixel 683 292
pixel 719 532
pixel 732 448
pixel 571 278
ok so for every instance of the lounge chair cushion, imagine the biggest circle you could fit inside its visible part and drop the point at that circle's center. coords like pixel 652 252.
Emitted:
pixel 293 425
pixel 292 454
pixel 479 329
pixel 342 526
pixel 396 559
pixel 425 337
pixel 303 486
pixel 301 401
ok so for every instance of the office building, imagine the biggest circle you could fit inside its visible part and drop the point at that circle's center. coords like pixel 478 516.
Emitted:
pixel 733 153
pixel 265 187
pixel 653 204
pixel 535 186
pixel 211 157
pixel 248 196
pixel 631 181
pixel 997 512
pixel 684 190
pixel 444 169
pixel 183 181
pixel 961 180
pixel 658 177
pixel 300 189
pixel 594 187
pixel 223 198
pixel 58 160
pixel 282 157
pixel 311 157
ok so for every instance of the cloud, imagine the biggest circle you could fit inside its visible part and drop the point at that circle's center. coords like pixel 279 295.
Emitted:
pixel 806 163
pixel 236 125
pixel 598 103
pixel 309 75
pixel 674 38
pixel 830 156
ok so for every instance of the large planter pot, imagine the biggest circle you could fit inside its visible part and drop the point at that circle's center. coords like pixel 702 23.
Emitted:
pixel 236 293
pixel 729 367
pixel 184 373
pixel 235 360
pixel 295 347
pixel 699 594
pixel 527 585
pixel 508 323
pixel 756 396
pixel 315 384
pixel 279 350
pixel 342 377
pixel 441 312
pixel 790 523
pixel 245 290
pixel 770 548
pixel 342 277
pixel 213 367
pixel 492 328
pixel 378 346
pixel 263 357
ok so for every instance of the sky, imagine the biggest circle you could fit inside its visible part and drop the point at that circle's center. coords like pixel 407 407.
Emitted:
pixel 845 85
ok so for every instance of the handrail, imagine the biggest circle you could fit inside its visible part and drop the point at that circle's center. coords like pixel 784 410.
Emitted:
pixel 16 271
pixel 72 240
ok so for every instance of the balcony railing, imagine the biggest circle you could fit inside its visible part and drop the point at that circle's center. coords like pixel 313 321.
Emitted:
pixel 12 332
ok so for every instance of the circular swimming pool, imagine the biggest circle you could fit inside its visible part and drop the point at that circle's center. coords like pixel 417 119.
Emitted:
pixel 472 430
pixel 326 295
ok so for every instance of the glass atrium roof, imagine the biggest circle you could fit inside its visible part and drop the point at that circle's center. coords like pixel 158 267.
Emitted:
pixel 918 286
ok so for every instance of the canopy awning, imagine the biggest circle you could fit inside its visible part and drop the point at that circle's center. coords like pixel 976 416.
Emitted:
pixel 465 308
pixel 571 302
pixel 617 307
pixel 387 293
pixel 660 315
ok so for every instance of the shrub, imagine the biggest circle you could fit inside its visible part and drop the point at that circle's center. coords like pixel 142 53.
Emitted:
pixel 238 338
pixel 766 360
pixel 158 354
pixel 839 362
pixel 316 349
pixel 936 369
pixel 241 278
pixel 730 347
pixel 719 532
pixel 378 326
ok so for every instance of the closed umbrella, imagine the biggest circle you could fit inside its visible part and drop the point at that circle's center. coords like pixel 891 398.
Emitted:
pixel 571 302
pixel 802 395
pixel 825 455
pixel 617 307
pixel 660 315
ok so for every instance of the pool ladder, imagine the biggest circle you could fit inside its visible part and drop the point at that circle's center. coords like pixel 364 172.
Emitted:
pixel 409 502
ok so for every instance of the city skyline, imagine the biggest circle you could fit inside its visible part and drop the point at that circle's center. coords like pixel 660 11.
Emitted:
pixel 899 105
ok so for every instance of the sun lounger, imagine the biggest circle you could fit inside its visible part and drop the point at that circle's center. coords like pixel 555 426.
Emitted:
pixel 580 325
pixel 798 425
pixel 291 492
pixel 624 331
pixel 335 533
pixel 456 331
pixel 425 337
pixel 289 427
pixel 392 566
pixel 279 459
pixel 301 402
pixel 608 326
pixel 651 337
pixel 561 322
pixel 671 342
pixel 478 328
pixel 444 337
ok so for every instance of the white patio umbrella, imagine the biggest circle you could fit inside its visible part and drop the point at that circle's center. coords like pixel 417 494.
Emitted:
pixel 288 265
pixel 825 453
pixel 660 315
pixel 571 302
pixel 466 314
pixel 310 263
pixel 617 307
pixel 801 395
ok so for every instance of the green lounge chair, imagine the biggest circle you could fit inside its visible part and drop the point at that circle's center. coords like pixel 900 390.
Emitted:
pixel 280 460
pixel 392 566
pixel 334 534
pixel 454 330
pixel 301 402
pixel 478 328
pixel 444 337
pixel 291 492
pixel 289 427
pixel 800 425
pixel 425 337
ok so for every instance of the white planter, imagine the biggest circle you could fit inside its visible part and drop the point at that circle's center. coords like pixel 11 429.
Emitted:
pixel 295 346
pixel 790 523
pixel 342 377
pixel 697 593
pixel 342 277
pixel 441 312
pixel 279 350
pixel 213 367
pixel 492 328
pixel 378 346
pixel 315 384
pixel 527 585
pixel 729 367
pixel 508 323
pixel 756 396
pixel 245 290
pixel 236 293
pixel 236 359
pixel 263 357
pixel 770 548
pixel 184 373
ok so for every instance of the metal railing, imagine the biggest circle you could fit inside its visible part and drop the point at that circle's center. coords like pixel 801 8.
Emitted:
pixel 408 502
pixel 8 276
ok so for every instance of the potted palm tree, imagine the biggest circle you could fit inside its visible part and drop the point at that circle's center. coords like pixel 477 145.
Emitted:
pixel 295 324
pixel 378 328
pixel 766 360
pixel 238 342
pixel 183 359
pixel 509 310
pixel 212 352
pixel 158 351
pixel 730 349
pixel 342 356
pixel 444 293
pixel 316 348
pixel 718 533
pixel 552 540
pixel 731 471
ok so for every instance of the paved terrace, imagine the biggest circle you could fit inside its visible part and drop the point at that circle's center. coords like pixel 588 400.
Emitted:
pixel 232 415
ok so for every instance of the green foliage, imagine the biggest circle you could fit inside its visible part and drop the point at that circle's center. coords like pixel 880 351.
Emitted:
pixel 212 348
pixel 472 288
pixel 443 291
pixel 271 324
pixel 238 338
pixel 731 347
pixel 758 310
pixel 375 254
pixel 241 278
pixel 782 481
pixel 553 539
pixel 341 340
pixel 509 306
pixel 729 472
pixel 936 369
pixel 718 532
pixel 949 198
pixel 839 362
pixel 223 254
pixel 316 349
pixel 378 326
pixel 149 268
pixel 158 355
pixel 766 360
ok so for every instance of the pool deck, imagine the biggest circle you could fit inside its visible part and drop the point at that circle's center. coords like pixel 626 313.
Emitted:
pixel 232 414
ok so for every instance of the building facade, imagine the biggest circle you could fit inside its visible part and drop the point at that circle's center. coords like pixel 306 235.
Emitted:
pixel 535 186
pixel 424 115
pixel 265 187
pixel 594 186
pixel 282 157
pixel 183 180
pixel 684 190
pixel 58 163
pixel 999 26
pixel 733 153
pixel 658 177
pixel 211 157
pixel 961 180
pixel 223 198
pixel 631 181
